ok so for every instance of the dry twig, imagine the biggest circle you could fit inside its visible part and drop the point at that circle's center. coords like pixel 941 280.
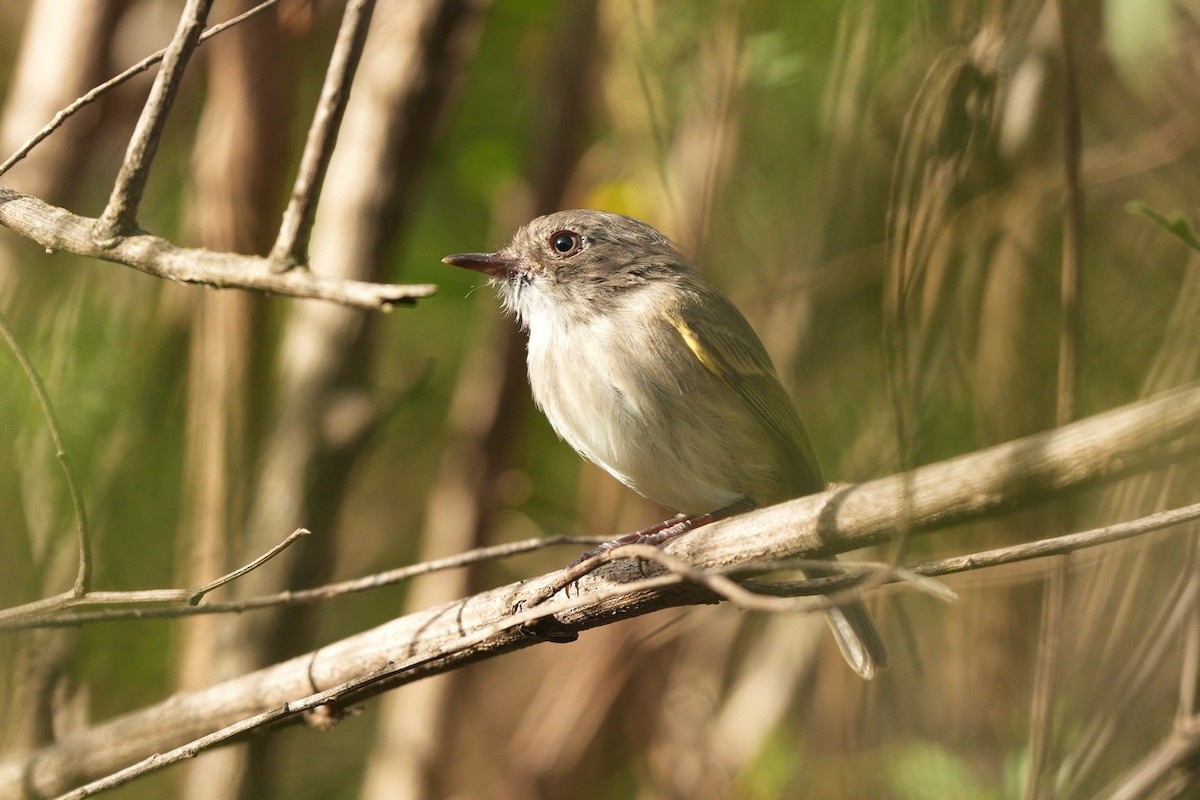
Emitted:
pixel 120 215
pixel 291 246
pixel 83 578
pixel 49 619
pixel 29 614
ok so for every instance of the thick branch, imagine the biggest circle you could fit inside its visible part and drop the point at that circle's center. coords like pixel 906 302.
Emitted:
pixel 1101 448
pixel 58 229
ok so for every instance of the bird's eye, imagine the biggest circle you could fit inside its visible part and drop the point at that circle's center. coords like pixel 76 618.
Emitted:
pixel 566 243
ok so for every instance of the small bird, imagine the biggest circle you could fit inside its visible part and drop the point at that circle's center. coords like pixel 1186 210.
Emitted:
pixel 655 376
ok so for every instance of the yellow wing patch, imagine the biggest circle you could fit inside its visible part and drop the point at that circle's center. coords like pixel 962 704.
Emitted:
pixel 697 347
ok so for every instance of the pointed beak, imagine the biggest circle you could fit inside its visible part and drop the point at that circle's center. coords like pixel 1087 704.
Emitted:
pixel 497 265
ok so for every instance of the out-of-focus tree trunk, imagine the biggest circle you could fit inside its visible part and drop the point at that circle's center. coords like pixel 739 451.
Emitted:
pixel 62 52
pixel 404 84
pixel 409 754
pixel 237 169
pixel 406 755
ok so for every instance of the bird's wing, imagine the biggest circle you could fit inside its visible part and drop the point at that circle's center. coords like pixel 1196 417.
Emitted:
pixel 724 343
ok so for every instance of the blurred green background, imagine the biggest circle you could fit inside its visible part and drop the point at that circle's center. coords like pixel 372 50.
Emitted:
pixel 832 166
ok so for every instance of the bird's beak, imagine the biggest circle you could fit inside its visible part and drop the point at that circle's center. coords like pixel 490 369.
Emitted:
pixel 498 265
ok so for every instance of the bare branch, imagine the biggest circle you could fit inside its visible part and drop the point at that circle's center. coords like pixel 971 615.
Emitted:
pixel 120 215
pixel 1059 545
pixel 196 595
pixel 755 596
pixel 291 246
pixel 29 614
pixel 58 229
pixel 1042 548
pixel 83 578
pixel 46 608
pixel 92 95
pixel 345 691
pixel 677 571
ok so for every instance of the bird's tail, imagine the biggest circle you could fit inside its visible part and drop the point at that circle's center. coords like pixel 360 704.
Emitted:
pixel 856 635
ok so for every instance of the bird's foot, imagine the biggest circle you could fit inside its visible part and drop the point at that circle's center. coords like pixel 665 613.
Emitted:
pixel 668 529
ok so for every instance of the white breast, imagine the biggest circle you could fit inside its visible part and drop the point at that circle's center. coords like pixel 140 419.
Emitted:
pixel 593 388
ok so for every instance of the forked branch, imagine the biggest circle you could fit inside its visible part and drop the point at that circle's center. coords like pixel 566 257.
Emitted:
pixel 58 229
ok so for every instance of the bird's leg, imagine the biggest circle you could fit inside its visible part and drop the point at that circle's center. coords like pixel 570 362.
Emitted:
pixel 668 529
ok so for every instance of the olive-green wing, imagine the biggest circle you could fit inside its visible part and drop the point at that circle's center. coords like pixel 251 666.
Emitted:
pixel 723 341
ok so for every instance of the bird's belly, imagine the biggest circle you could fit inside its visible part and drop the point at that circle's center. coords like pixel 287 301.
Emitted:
pixel 645 436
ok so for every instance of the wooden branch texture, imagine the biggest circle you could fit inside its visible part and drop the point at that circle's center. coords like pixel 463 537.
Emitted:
pixel 1138 437
pixel 58 229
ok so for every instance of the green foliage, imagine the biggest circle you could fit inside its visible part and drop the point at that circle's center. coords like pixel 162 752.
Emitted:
pixel 926 771
pixel 1175 224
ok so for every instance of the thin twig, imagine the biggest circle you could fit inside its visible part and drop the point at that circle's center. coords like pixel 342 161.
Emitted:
pixel 93 94
pixel 30 615
pixel 83 578
pixel 197 746
pixel 1068 340
pixel 197 595
pixel 1011 554
pixel 747 595
pixel 47 619
pixel 291 246
pixel 58 229
pixel 1041 717
pixel 1125 690
pixel 1178 749
pixel 1043 548
pixel 120 215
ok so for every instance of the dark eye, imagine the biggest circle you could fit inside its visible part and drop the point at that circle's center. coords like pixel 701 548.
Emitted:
pixel 566 243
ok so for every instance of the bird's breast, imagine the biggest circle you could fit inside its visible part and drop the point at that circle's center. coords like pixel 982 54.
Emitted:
pixel 619 395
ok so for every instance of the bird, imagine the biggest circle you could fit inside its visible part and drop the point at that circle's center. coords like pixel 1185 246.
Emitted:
pixel 650 372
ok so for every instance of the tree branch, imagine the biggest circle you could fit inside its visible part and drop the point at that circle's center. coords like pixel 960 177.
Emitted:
pixel 120 215
pixel 48 608
pixel 58 229
pixel 83 577
pixel 1102 448
pixel 1012 554
pixel 28 615
pixel 1042 548
pixel 291 246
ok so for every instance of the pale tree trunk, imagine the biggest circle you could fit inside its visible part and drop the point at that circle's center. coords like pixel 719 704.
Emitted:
pixel 404 84
pixel 62 52
pixel 409 754
pixel 237 168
